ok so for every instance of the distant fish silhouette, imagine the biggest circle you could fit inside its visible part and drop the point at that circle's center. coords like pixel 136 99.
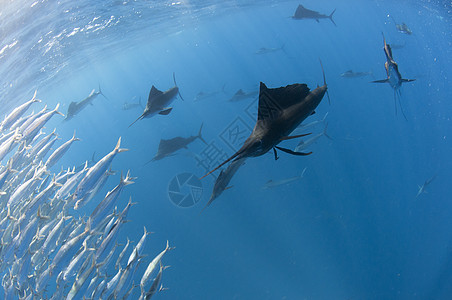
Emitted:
pixel 303 145
pixel 304 13
pixel 158 102
pixel 275 183
pixel 402 28
pixel 422 189
pixel 241 95
pixel 351 74
pixel 397 46
pixel 205 95
pixel 264 50
pixel 75 107
pixel 168 147
pixel 394 78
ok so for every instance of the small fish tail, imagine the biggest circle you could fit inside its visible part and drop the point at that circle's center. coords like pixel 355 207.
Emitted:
pixel 34 98
pixel 118 145
pixel 56 110
pixel 168 248
pixel 324 131
pixel 100 92
pixel 74 138
pixel 128 180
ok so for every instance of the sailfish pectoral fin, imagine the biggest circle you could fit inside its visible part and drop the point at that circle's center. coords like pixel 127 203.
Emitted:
pixel 276 153
pixel 165 111
pixel 293 152
pixel 380 81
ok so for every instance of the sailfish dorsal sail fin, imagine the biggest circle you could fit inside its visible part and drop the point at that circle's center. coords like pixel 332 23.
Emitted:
pixel 273 101
pixel 155 92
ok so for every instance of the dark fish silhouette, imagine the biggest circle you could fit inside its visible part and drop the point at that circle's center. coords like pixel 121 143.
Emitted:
pixel 394 78
pixel 222 182
pixel 158 101
pixel 351 74
pixel 241 95
pixel 204 95
pixel 397 46
pixel 304 13
pixel 75 107
pixel 422 189
pixel 280 111
pixel 264 50
pixel 402 28
pixel 168 147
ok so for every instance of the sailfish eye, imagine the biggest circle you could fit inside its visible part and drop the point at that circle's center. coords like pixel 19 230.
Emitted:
pixel 260 144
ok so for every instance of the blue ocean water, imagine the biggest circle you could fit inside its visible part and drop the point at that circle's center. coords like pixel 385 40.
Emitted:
pixel 351 228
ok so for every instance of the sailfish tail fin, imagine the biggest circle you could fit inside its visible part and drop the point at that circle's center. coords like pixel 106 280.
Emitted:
pixel 200 134
pixel 174 79
pixel 331 17
pixel 380 81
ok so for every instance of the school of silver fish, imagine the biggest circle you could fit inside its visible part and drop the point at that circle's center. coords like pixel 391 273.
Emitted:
pixel 48 236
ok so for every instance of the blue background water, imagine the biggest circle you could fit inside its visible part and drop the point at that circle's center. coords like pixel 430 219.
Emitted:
pixel 352 228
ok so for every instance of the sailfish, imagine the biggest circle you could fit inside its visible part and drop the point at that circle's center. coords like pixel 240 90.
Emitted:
pixel 280 111
pixel 394 78
pixel 158 101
